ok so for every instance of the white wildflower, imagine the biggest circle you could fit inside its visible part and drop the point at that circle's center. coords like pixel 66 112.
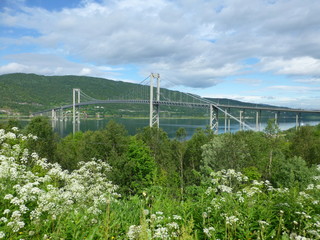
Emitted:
pixel 161 232
pixel 263 223
pixel 225 188
pixel 145 212
pixel 16 214
pixel 231 220
pixel 310 187
pixel 173 225
pixel 6 211
pixel 8 196
pixel 15 129
pixel 134 232
pixel 10 135
pixel 94 221
pixel 208 231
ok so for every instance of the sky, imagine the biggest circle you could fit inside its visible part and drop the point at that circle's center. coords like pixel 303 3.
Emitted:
pixel 259 51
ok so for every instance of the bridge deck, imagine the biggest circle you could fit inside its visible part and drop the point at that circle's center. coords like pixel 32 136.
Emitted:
pixel 185 104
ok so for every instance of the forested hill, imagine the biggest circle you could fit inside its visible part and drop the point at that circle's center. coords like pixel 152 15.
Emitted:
pixel 26 93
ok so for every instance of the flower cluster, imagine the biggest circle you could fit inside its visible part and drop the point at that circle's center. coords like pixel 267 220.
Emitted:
pixel 32 189
pixel 158 226
pixel 226 181
pixel 231 197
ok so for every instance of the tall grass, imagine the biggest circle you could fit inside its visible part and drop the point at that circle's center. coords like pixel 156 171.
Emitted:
pixel 41 201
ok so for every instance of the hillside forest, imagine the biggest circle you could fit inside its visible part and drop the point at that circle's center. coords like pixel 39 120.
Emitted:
pixel 24 94
pixel 106 184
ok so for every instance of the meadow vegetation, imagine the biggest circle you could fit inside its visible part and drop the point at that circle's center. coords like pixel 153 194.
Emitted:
pixel 108 185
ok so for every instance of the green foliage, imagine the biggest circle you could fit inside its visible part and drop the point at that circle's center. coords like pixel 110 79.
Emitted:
pixel 291 172
pixel 135 171
pixel 10 124
pixel 68 153
pixel 257 148
pixel 252 173
pixel 181 134
pixel 224 151
pixel 305 143
pixel 193 156
pixel 41 201
pixel 116 136
pixel 39 198
pixel 95 144
pixel 159 144
pixel 28 93
pixel 107 144
pixel 179 148
pixel 34 92
pixel 272 129
pixel 44 145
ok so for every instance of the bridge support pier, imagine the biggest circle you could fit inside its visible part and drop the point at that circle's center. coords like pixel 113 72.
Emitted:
pixel 240 122
pixel 298 120
pixel 276 116
pixel 154 107
pixel 75 119
pixel 214 119
pixel 257 121
pixel 61 115
pixel 53 114
pixel 225 120
pixel 229 121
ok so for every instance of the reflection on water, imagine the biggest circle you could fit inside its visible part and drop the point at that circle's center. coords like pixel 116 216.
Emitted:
pixel 63 128
pixel 170 126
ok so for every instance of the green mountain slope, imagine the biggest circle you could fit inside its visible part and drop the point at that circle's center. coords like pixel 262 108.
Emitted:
pixel 28 93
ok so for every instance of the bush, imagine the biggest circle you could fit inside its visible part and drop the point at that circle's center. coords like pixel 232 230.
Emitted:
pixel 291 172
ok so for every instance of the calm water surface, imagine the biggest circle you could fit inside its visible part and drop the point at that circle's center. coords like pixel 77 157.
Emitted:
pixel 63 128
pixel 170 126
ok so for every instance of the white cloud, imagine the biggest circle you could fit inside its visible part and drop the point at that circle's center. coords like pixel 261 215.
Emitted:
pixel 13 68
pixel 308 80
pixel 297 89
pixel 49 64
pixel 176 38
pixel 85 71
pixel 296 66
pixel 299 102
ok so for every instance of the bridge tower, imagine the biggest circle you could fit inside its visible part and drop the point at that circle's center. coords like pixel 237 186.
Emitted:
pixel 54 114
pixel 154 106
pixel 214 118
pixel 298 120
pixel 75 119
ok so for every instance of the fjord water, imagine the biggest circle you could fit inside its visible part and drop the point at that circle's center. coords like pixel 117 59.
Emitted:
pixel 170 126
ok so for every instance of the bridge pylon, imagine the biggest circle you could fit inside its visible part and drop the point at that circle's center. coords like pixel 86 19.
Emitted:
pixel 54 114
pixel 298 120
pixel 214 118
pixel 75 119
pixel 154 106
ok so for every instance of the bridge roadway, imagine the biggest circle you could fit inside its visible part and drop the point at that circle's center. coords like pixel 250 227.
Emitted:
pixel 184 104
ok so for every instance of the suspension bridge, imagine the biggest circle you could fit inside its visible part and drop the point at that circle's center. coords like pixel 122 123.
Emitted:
pixel 147 92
